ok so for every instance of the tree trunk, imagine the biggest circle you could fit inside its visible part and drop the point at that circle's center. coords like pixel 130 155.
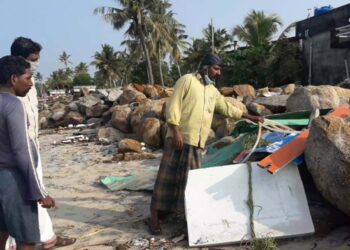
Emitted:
pixel 145 50
pixel 160 67
pixel 178 69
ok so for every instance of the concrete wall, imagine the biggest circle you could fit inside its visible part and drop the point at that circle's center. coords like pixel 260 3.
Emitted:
pixel 327 64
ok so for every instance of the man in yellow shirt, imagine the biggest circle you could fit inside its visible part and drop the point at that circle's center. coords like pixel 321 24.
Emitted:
pixel 189 116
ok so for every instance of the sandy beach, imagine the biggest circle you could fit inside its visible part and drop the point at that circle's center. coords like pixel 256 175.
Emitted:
pixel 102 220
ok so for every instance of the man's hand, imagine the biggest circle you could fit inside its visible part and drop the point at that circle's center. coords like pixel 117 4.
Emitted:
pixel 253 118
pixel 177 137
pixel 47 202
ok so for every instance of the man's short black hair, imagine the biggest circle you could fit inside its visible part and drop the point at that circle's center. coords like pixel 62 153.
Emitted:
pixel 22 46
pixel 12 65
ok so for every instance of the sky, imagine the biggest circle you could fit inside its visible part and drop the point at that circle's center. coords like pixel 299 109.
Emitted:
pixel 71 26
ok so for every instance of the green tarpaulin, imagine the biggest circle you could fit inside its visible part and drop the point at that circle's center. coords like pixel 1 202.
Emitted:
pixel 142 179
pixel 225 155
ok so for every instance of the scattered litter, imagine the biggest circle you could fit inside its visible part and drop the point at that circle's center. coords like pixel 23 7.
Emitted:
pixel 140 243
pixel 178 238
pixel 80 126
pixel 67 141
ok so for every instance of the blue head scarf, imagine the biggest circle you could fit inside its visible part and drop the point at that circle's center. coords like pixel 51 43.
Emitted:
pixel 210 59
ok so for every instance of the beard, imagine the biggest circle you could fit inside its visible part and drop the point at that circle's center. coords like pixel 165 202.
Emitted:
pixel 23 93
pixel 215 78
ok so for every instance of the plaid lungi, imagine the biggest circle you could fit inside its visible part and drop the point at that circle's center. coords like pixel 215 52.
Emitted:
pixel 169 189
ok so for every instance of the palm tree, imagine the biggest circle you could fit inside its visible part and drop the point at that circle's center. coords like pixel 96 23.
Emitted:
pixel 39 82
pixel 64 58
pixel 60 79
pixel 135 13
pixel 200 47
pixel 222 40
pixel 257 29
pixel 38 77
pixel 81 68
pixel 178 45
pixel 162 28
pixel 106 63
pixel 129 58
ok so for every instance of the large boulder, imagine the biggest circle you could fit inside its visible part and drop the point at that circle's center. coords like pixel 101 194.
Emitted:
pixel 44 118
pixel 114 94
pixel 343 94
pixel 276 103
pixel 151 91
pixel 58 111
pixel 103 93
pixel 88 102
pixel 258 109
pixel 109 135
pixel 96 110
pixel 244 90
pixel 139 87
pixel 226 91
pixel 288 89
pixel 121 118
pixel 73 106
pixel 276 90
pixel 129 145
pixel 327 155
pixel 223 125
pixel 166 92
pixel 130 95
pixel 73 118
pixel 151 132
pixel 236 103
pixel 312 97
pixel 263 92
pixel 147 109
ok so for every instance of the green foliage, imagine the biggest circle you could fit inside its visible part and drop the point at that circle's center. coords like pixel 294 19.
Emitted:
pixel 81 68
pixel 174 75
pixel 285 66
pixel 200 47
pixel 106 63
pixel 60 79
pixel 260 66
pixel 257 29
pixel 248 66
pixel 138 74
pixel 64 58
pixel 83 79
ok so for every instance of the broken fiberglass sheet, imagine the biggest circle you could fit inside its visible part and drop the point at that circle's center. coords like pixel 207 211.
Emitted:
pixel 217 211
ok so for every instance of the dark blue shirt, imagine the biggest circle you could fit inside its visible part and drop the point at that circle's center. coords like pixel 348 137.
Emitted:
pixel 16 148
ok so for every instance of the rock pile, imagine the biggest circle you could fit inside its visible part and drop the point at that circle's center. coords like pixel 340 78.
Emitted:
pixel 139 110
